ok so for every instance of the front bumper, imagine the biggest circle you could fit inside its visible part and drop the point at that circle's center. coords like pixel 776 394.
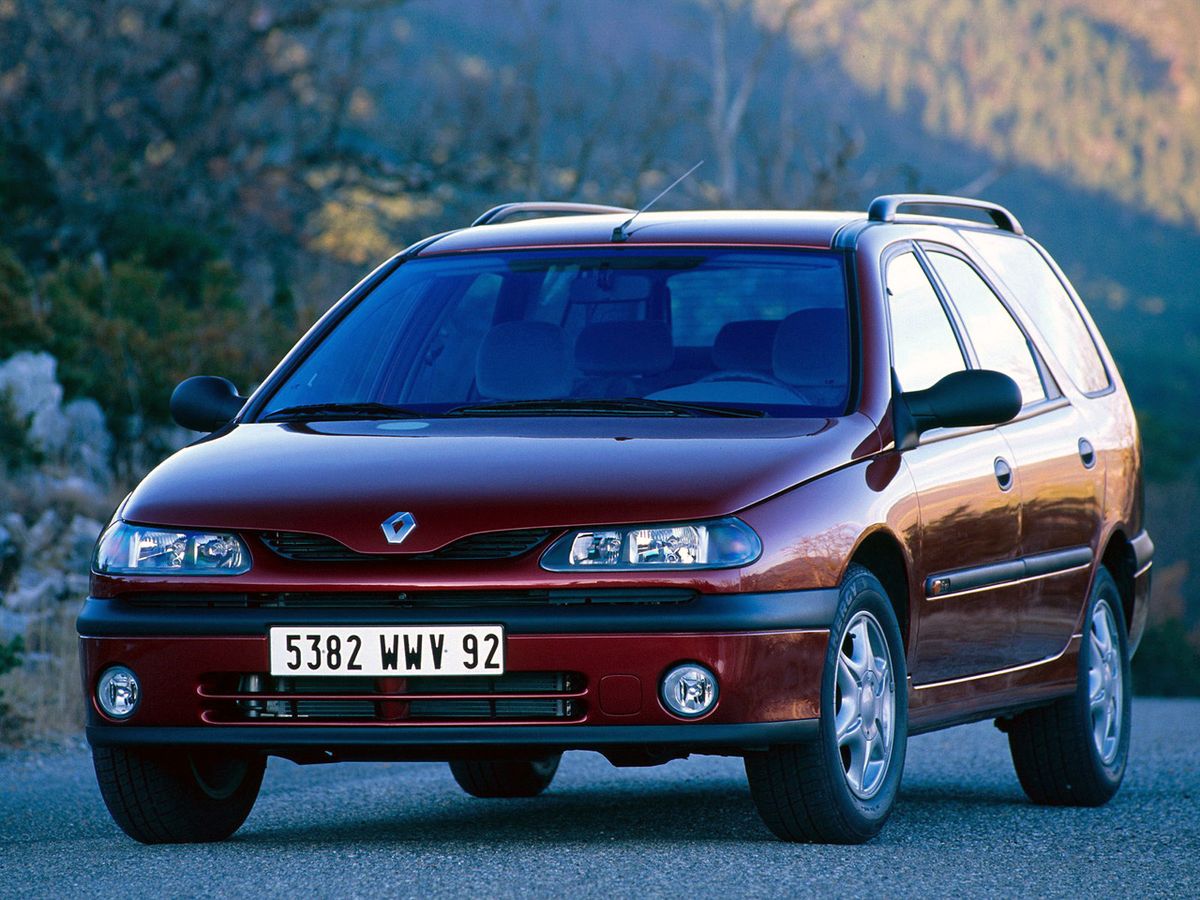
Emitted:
pixel 767 651
pixel 319 743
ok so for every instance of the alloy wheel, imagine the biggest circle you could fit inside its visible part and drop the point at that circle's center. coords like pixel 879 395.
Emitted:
pixel 865 705
pixel 1105 687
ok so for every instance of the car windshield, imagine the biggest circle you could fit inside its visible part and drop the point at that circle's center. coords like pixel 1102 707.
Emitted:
pixel 629 331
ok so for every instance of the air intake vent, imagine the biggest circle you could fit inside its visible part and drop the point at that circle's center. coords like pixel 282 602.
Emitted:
pixel 514 696
pixel 489 545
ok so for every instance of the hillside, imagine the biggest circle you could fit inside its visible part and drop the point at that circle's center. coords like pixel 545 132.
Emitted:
pixel 1104 92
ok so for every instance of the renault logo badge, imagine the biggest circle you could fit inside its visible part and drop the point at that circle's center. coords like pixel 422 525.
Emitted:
pixel 396 528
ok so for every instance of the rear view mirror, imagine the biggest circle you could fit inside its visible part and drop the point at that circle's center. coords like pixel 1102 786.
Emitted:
pixel 621 287
pixel 205 402
pixel 961 399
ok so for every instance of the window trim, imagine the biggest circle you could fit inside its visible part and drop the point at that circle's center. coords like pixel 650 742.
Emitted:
pixel 1028 411
pixel 1088 325
pixel 1072 295
pixel 1050 386
pixel 899 249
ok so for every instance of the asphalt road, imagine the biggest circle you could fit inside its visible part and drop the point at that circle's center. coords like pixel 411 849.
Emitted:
pixel 962 828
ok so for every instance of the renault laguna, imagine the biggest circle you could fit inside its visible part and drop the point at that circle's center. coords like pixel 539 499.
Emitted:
pixel 784 486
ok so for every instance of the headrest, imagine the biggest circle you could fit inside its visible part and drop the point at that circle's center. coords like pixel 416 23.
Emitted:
pixel 524 361
pixel 745 346
pixel 632 347
pixel 812 348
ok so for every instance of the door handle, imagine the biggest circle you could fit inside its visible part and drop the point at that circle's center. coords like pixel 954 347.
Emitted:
pixel 1004 474
pixel 1087 453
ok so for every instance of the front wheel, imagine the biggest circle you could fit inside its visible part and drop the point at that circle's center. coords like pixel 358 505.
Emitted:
pixel 505 777
pixel 177 796
pixel 841 787
pixel 1073 752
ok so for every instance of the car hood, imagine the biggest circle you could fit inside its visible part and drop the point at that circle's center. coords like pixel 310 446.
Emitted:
pixel 464 476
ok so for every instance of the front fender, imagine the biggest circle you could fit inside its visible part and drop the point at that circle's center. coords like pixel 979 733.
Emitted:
pixel 810 532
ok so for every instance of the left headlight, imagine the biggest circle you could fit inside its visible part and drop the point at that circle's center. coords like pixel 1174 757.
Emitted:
pixel 713 544
pixel 126 549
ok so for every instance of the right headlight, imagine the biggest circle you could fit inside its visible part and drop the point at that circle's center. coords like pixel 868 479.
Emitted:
pixel 712 544
pixel 126 549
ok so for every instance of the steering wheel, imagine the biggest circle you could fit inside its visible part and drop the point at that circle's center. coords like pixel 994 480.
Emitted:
pixel 756 377
pixel 741 375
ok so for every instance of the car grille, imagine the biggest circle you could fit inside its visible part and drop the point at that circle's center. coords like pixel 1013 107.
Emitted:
pixel 516 696
pixel 450 599
pixel 489 545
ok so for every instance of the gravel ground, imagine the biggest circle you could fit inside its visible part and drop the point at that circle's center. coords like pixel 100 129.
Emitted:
pixel 962 828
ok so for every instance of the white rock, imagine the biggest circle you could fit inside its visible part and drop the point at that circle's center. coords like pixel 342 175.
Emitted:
pixel 79 541
pixel 28 382
pixel 89 444
pixel 35 591
pixel 17 530
pixel 41 544
pixel 78 585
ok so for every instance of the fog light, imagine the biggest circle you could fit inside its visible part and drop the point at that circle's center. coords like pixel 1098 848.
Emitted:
pixel 689 690
pixel 118 692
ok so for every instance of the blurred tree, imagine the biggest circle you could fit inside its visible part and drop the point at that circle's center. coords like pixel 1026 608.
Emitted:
pixel 215 112
pixel 730 102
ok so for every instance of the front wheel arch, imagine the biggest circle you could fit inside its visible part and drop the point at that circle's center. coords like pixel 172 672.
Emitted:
pixel 882 554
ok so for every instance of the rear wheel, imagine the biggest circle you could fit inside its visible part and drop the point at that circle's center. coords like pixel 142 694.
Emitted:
pixel 840 788
pixel 505 777
pixel 177 796
pixel 1073 752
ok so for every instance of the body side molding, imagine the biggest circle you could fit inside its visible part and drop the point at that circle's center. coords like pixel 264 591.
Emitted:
pixel 958 581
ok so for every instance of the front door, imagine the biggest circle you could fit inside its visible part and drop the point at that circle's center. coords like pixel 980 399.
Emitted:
pixel 969 501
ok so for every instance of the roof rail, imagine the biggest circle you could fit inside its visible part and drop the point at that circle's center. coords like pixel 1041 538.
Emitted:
pixel 504 211
pixel 884 209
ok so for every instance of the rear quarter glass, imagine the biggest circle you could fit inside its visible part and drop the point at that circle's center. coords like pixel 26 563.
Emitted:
pixel 1027 274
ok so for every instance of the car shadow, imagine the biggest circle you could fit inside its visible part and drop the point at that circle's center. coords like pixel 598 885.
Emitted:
pixel 563 815
pixel 719 812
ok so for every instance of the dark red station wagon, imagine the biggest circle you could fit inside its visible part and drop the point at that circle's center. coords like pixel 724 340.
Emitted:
pixel 779 485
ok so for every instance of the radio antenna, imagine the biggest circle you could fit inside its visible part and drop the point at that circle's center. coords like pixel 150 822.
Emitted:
pixel 621 232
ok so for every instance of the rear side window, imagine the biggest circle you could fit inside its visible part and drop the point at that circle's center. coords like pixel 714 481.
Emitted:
pixel 1041 292
pixel 924 348
pixel 998 340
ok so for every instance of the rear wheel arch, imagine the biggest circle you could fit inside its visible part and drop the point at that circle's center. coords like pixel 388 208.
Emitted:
pixel 1121 562
pixel 882 554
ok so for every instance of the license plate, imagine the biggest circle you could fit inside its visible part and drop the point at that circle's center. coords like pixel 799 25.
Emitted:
pixel 436 650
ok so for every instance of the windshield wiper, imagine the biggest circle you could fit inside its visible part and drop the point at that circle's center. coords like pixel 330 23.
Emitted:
pixel 342 411
pixel 637 406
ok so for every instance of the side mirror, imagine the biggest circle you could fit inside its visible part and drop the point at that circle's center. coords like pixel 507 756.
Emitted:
pixel 961 399
pixel 205 402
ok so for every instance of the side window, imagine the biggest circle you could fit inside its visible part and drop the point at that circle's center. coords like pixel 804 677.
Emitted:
pixel 1040 291
pixel 924 348
pixel 999 342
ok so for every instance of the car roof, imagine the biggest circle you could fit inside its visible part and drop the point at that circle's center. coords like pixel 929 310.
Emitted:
pixel 723 227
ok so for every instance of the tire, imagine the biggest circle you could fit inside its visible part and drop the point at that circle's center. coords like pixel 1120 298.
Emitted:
pixel 491 778
pixel 177 796
pixel 811 792
pixel 1073 752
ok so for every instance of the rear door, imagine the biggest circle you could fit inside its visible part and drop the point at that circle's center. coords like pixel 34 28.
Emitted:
pixel 1060 450
pixel 1061 487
